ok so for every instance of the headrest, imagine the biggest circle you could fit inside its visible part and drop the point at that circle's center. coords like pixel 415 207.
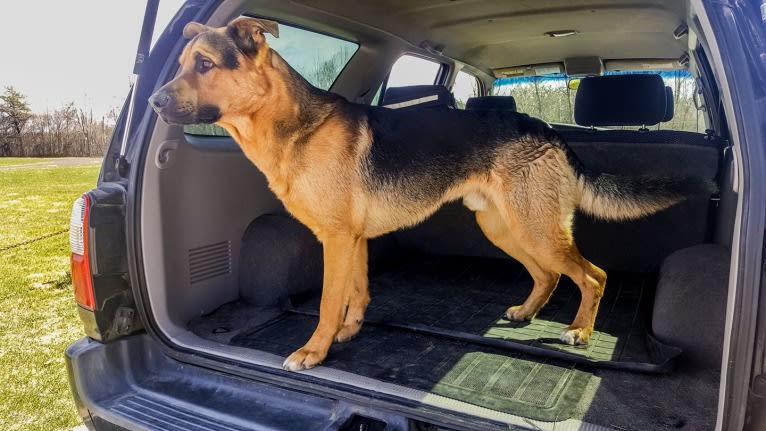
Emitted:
pixel 620 100
pixel 491 103
pixel 418 96
pixel 669 112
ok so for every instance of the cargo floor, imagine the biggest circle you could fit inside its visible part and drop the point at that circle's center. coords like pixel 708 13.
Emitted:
pixel 469 295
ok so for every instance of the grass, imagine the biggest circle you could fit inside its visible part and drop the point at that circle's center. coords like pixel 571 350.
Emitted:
pixel 38 318
pixel 11 161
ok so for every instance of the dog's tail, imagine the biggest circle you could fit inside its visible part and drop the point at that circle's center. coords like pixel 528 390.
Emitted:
pixel 613 197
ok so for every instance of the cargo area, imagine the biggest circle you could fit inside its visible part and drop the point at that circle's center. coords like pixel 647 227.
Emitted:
pixel 416 336
pixel 241 279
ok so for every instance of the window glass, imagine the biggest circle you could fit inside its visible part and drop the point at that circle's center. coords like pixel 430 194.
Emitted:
pixel 376 98
pixel 466 86
pixel 317 57
pixel 411 70
pixel 551 97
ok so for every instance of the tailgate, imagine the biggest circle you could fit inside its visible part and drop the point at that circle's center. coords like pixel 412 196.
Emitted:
pixel 131 384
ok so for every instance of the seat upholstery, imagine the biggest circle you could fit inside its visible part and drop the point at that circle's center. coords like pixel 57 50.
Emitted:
pixel 418 96
pixel 620 100
pixel 491 103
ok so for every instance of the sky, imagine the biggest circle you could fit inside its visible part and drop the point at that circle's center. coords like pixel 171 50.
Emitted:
pixel 81 51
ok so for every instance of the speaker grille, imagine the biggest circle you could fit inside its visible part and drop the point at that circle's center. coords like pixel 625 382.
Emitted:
pixel 209 261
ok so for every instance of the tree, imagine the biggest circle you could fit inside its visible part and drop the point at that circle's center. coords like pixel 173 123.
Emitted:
pixel 14 112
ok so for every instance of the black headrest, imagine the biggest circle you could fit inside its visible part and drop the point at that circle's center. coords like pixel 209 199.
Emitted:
pixel 491 103
pixel 418 96
pixel 669 112
pixel 620 100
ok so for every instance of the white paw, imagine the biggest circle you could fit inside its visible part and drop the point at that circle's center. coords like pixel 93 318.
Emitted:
pixel 575 336
pixel 302 359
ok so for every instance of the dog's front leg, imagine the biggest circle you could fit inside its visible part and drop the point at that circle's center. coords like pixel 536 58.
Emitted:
pixel 357 295
pixel 338 274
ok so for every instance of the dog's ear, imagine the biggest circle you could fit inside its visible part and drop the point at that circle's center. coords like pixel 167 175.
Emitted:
pixel 192 29
pixel 248 33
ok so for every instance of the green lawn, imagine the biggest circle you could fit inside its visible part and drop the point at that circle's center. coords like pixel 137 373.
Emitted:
pixel 8 161
pixel 38 318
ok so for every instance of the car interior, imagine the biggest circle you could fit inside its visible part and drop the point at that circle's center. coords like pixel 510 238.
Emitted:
pixel 231 274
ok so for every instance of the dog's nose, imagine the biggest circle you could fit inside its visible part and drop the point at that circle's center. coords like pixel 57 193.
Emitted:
pixel 159 100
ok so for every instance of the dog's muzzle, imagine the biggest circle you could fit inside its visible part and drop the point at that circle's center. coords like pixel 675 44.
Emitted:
pixel 169 110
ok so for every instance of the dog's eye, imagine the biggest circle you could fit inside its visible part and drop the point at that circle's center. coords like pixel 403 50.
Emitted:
pixel 203 65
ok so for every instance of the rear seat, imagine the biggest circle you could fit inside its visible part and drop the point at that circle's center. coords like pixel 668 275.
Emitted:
pixel 633 100
pixel 491 103
pixel 418 96
pixel 639 100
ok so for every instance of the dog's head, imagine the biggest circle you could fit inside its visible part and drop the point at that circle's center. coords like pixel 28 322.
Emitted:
pixel 220 71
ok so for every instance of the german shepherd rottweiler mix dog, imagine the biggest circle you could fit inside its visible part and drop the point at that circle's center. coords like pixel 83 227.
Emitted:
pixel 352 172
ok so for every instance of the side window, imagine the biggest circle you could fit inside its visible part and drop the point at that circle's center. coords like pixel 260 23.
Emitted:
pixel 317 57
pixel 411 70
pixel 466 86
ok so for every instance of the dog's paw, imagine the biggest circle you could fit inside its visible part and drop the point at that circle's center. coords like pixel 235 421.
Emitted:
pixel 518 314
pixel 348 331
pixel 303 359
pixel 575 336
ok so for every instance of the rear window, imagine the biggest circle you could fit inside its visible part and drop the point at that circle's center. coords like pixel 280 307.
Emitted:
pixel 317 57
pixel 466 86
pixel 551 98
pixel 410 70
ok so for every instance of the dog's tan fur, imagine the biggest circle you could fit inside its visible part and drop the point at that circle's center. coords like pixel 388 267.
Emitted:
pixel 524 204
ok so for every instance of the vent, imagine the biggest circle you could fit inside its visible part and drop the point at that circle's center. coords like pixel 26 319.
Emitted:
pixel 209 261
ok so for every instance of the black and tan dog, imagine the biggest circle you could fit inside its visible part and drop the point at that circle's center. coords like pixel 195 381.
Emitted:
pixel 352 172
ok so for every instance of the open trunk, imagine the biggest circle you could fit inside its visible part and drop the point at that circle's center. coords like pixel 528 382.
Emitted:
pixel 230 274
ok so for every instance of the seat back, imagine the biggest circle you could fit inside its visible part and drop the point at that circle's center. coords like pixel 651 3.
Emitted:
pixel 418 96
pixel 491 103
pixel 640 100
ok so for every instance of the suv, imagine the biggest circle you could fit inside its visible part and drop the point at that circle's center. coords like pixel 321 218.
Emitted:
pixel 193 283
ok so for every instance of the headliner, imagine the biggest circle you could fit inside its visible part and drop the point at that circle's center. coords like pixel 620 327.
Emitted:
pixel 503 33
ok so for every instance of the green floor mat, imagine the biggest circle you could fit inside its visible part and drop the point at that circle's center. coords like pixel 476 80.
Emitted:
pixel 514 383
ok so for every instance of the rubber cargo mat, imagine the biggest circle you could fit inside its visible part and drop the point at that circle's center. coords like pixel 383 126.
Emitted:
pixel 510 382
pixel 466 298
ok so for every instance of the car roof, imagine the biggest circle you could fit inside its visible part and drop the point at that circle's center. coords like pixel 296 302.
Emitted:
pixel 497 34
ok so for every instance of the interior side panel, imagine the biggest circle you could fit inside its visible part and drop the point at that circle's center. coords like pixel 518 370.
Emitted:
pixel 197 203
pixel 727 207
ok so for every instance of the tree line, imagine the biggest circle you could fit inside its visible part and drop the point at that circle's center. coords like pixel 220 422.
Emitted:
pixel 68 131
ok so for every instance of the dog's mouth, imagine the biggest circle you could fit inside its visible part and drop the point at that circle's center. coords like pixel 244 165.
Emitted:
pixel 204 115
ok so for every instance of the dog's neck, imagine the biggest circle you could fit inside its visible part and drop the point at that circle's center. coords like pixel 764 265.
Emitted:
pixel 290 112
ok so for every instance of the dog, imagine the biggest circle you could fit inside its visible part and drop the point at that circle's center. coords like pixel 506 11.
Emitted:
pixel 350 172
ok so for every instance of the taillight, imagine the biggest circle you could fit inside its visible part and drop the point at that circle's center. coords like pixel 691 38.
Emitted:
pixel 82 279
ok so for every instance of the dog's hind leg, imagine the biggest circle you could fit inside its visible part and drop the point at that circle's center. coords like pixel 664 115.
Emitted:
pixel 338 275
pixel 547 240
pixel 536 202
pixel 592 281
pixel 357 295
pixel 496 228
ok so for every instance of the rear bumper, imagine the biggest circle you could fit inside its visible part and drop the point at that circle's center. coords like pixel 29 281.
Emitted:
pixel 130 384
